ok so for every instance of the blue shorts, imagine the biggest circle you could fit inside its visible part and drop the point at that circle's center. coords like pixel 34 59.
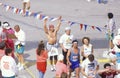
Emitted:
pixel 118 57
pixel 74 65
pixel 19 49
pixel 109 36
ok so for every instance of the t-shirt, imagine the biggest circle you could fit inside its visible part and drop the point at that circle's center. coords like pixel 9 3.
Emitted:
pixel 66 40
pixel 20 37
pixel 111 26
pixel 108 75
pixel 87 49
pixel 8 66
pixel 60 68
pixel 42 57
pixel 89 67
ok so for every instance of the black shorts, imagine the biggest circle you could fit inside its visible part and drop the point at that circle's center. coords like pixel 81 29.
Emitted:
pixel 55 57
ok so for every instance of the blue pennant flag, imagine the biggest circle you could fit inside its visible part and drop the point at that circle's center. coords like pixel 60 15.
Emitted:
pixel 98 29
pixel 85 27
pixel 35 14
pixel 72 23
pixel 27 13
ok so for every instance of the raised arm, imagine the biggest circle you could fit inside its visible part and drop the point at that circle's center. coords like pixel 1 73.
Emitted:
pixel 59 23
pixel 45 26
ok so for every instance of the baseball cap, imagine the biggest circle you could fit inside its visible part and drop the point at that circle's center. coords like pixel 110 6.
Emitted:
pixel 68 28
pixel 6 25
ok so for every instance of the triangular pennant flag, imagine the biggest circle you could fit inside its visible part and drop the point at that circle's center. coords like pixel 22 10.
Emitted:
pixel 7 8
pixel 5 5
pixel 14 10
pixel 38 16
pixel 93 27
pixel 20 11
pixel 98 29
pixel 27 13
pixel 17 10
pixel 85 27
pixel 30 13
pixel 35 14
pixel 53 19
pixel 72 23
pixel 81 26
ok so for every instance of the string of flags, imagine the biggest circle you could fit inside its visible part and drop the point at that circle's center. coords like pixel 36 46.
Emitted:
pixel 42 17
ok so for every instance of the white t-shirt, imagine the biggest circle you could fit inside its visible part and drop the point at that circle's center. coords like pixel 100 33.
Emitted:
pixel 111 26
pixel 66 40
pixel 89 67
pixel 21 37
pixel 8 66
pixel 87 49
pixel 116 41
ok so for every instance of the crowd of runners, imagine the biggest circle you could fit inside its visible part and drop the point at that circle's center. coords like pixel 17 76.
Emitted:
pixel 65 63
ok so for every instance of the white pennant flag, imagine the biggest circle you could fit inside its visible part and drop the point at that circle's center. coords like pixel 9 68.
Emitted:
pixel 38 16
pixel 7 8
pixel 21 11
pixel 54 19
pixel 0 3
pixel 14 10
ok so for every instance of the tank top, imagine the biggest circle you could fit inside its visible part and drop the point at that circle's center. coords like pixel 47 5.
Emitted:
pixel 73 56
pixel 87 49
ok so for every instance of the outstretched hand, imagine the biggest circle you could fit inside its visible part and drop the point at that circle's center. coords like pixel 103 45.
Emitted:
pixel 59 17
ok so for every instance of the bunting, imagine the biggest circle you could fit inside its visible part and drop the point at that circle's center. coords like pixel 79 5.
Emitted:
pixel 42 17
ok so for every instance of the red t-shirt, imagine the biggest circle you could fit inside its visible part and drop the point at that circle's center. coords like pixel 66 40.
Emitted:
pixel 109 75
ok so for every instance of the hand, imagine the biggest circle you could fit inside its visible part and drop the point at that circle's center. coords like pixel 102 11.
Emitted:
pixel 45 20
pixel 59 17
pixel 65 50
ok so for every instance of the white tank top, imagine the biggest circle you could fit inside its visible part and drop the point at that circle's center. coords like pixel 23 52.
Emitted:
pixel 87 49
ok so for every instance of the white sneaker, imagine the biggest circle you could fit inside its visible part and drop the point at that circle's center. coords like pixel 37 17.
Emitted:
pixel 52 69
pixel 18 65
pixel 21 68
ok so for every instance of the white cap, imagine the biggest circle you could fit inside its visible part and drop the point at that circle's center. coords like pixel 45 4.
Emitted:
pixel 6 25
pixel 60 57
pixel 119 31
pixel 68 28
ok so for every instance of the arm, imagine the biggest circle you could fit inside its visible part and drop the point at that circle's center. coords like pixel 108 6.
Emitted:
pixel 45 26
pixel 59 23
pixel 68 55
pixel 102 71
pixel 83 72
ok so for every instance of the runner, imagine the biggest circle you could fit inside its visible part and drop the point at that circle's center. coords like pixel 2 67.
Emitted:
pixel 41 59
pixel 116 42
pixel 7 30
pixel 110 30
pixel 66 42
pixel 52 41
pixel 8 65
pixel 19 46
pixel 108 71
pixel 61 68
pixel 89 67
pixel 73 59
pixel 87 48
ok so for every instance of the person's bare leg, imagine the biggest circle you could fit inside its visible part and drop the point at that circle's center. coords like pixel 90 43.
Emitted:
pixel 77 71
